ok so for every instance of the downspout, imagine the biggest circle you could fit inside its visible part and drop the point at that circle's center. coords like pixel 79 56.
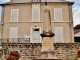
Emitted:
pixel 2 22
pixel 70 22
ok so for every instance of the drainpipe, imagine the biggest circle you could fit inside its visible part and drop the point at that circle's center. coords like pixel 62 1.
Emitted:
pixel 70 22
pixel 2 24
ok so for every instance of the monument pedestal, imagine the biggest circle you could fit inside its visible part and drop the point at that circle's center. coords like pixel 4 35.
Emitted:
pixel 47 52
pixel 47 55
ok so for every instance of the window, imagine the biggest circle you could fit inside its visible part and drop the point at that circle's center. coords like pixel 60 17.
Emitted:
pixel 58 34
pixel 57 14
pixel 13 35
pixel 14 15
pixel 36 12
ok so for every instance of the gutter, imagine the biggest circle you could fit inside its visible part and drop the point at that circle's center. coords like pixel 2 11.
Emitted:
pixel 71 23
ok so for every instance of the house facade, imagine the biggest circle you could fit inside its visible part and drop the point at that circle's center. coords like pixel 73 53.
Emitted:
pixel 23 20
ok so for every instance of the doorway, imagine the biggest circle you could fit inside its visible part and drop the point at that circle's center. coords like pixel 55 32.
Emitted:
pixel 35 35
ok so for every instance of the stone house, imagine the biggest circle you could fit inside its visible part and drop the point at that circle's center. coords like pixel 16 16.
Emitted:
pixel 23 21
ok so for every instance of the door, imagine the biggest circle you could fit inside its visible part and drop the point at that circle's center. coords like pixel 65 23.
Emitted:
pixel 13 34
pixel 35 35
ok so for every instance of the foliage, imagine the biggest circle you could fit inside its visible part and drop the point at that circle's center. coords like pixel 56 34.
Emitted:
pixel 14 55
pixel 77 27
pixel 78 53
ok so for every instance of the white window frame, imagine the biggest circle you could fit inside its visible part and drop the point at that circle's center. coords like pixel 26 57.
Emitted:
pixel 55 36
pixel 17 15
pixel 61 15
pixel 33 6
pixel 31 41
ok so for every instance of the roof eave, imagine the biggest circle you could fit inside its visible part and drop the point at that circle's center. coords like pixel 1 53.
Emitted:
pixel 35 2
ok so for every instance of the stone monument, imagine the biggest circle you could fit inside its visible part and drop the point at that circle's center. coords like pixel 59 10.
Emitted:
pixel 47 51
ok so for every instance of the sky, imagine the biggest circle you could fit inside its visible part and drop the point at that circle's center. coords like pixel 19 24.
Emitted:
pixel 75 9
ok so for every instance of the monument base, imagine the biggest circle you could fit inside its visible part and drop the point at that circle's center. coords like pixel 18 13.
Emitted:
pixel 47 59
pixel 47 51
pixel 47 55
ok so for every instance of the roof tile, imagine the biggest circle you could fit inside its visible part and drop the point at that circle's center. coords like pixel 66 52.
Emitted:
pixel 77 31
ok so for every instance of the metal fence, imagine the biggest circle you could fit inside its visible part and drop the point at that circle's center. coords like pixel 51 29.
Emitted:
pixel 15 40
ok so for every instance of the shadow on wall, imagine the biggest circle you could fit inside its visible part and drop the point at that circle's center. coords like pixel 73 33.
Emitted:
pixel 76 39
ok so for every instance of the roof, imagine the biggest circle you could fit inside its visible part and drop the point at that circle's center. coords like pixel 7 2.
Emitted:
pixel 36 1
pixel 77 31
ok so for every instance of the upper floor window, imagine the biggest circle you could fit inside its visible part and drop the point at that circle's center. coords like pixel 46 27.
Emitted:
pixel 14 15
pixel 58 14
pixel 36 12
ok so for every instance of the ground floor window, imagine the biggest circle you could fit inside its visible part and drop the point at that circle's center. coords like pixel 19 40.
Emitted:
pixel 58 34
pixel 13 34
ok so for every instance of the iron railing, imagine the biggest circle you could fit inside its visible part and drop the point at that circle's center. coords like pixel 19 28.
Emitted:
pixel 15 40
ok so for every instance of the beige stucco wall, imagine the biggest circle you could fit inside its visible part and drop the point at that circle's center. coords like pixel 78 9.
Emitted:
pixel 25 10
pixel 25 19
pixel 0 31
pixel 24 28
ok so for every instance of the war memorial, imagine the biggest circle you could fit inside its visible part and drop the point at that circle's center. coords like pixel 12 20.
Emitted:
pixel 47 49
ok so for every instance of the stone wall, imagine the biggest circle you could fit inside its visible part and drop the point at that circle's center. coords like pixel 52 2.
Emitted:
pixel 2 53
pixel 64 51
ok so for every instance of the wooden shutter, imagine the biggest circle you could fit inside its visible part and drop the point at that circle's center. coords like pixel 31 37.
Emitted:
pixel 13 32
pixel 57 14
pixel 14 15
pixel 58 34
pixel 36 12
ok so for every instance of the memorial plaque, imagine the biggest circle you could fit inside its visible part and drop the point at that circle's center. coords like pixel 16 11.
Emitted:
pixel 47 44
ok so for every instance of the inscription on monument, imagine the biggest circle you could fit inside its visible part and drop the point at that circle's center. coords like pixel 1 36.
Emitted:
pixel 47 44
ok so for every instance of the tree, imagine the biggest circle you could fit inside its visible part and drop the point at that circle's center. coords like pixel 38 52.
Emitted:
pixel 77 27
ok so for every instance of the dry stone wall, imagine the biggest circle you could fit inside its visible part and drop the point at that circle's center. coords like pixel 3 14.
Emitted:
pixel 64 51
